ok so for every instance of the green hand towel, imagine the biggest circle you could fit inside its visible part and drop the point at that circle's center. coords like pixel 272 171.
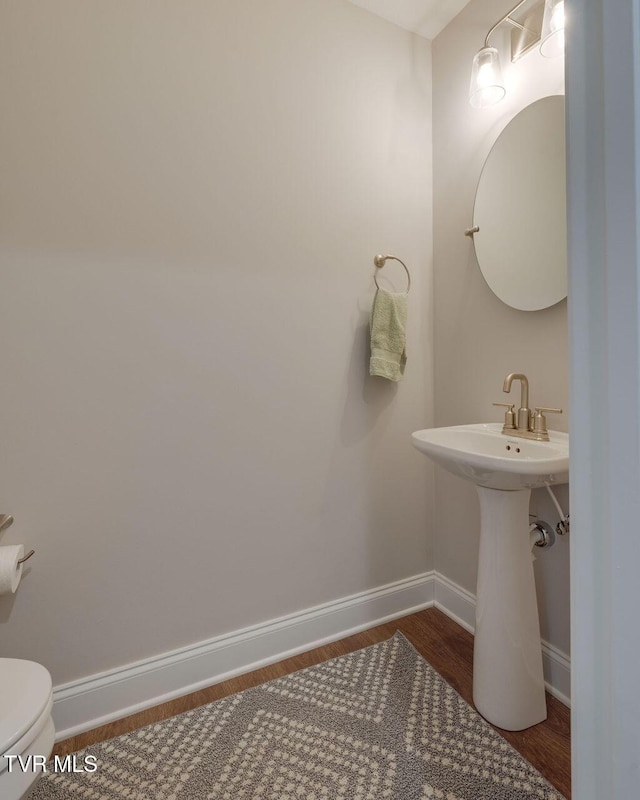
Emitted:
pixel 388 335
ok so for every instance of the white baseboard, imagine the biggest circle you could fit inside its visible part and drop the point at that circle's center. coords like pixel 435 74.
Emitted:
pixel 456 602
pixel 90 702
pixel 460 605
pixel 98 699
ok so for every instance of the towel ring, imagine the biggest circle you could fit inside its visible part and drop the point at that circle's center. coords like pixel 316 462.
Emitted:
pixel 380 260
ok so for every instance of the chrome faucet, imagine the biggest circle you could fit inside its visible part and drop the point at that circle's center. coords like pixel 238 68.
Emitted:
pixel 526 424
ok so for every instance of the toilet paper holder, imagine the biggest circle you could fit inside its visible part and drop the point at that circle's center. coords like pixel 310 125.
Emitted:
pixel 6 521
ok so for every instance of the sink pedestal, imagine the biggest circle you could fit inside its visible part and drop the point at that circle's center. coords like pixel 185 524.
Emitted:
pixel 508 684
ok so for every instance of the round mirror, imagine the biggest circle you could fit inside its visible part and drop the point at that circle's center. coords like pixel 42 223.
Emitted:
pixel 520 210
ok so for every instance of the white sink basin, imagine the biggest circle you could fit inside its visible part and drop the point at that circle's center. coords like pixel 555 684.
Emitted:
pixel 482 454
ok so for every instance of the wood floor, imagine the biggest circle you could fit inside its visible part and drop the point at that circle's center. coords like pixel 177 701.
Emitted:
pixel 443 643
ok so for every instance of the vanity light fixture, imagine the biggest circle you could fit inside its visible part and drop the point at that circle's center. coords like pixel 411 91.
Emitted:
pixel 541 21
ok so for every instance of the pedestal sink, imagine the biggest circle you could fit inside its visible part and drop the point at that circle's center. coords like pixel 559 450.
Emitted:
pixel 508 684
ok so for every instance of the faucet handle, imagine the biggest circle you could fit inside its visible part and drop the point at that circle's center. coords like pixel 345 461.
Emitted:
pixel 539 419
pixel 509 416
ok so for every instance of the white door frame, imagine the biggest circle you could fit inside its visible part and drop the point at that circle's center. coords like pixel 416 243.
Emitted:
pixel 603 161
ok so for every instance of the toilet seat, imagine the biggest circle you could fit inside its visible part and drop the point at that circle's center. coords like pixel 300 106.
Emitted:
pixel 26 699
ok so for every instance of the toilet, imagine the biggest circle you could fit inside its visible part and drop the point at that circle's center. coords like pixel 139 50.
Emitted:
pixel 26 726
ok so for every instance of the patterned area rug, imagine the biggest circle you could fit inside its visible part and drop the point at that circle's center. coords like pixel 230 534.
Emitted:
pixel 377 723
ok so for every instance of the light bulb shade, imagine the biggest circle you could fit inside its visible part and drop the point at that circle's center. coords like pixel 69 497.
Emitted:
pixel 552 36
pixel 487 84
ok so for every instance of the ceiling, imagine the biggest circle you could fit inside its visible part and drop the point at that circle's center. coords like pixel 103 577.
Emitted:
pixel 425 17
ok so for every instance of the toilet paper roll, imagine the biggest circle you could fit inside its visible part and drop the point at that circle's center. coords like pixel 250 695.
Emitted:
pixel 10 570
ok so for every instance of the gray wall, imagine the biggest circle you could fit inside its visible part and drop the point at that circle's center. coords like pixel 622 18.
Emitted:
pixel 192 195
pixel 478 339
